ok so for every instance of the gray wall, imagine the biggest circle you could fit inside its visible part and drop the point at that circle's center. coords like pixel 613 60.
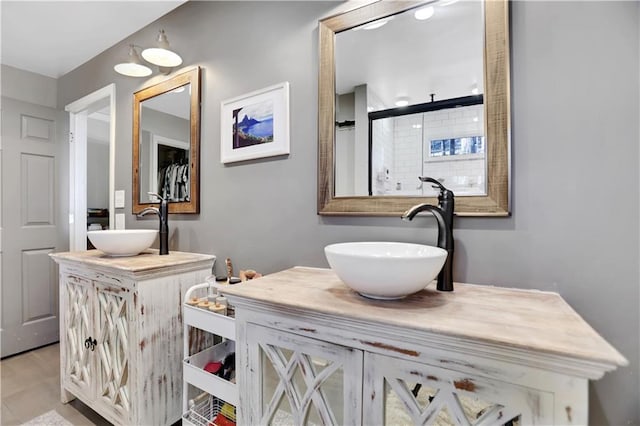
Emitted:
pixel 575 159
pixel 97 174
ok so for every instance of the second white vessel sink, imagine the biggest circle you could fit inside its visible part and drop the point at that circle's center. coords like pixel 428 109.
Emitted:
pixel 122 242
pixel 385 270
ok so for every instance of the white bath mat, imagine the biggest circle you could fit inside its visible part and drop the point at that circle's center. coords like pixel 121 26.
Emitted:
pixel 50 418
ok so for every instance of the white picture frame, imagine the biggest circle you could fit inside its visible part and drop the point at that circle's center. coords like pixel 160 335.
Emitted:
pixel 255 125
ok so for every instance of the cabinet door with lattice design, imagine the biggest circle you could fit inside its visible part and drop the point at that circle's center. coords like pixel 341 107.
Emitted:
pixel 398 391
pixel 112 358
pixel 297 380
pixel 78 320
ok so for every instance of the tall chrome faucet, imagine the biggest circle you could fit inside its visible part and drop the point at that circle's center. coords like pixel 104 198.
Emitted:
pixel 163 215
pixel 444 216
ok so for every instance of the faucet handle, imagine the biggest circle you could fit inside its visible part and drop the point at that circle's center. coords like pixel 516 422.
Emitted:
pixel 445 194
pixel 155 194
pixel 433 181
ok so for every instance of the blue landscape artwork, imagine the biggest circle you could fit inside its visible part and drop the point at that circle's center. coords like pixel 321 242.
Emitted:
pixel 253 124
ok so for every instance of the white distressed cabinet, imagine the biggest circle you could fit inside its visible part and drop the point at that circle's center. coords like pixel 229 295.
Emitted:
pixel 121 331
pixel 311 351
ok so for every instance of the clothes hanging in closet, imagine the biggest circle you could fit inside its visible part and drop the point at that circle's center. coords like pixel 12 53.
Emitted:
pixel 173 182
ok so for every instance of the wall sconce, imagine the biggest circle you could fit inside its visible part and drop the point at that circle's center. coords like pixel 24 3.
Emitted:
pixel 134 66
pixel 160 55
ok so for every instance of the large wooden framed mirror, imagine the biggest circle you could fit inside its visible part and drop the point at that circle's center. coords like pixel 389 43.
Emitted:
pixel 450 67
pixel 166 143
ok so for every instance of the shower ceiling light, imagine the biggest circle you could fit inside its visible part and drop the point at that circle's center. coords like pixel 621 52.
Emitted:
pixel 402 102
pixel 375 24
pixel 424 13
pixel 161 55
pixel 134 67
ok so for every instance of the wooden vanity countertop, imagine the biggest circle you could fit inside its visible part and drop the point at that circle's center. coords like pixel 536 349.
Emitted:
pixel 146 261
pixel 525 319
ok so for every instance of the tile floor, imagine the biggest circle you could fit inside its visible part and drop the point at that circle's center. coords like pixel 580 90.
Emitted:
pixel 30 386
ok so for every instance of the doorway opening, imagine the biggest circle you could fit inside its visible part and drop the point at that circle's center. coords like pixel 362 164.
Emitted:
pixel 91 165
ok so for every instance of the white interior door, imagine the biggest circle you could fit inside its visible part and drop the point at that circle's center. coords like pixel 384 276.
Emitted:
pixel 30 175
pixel 100 102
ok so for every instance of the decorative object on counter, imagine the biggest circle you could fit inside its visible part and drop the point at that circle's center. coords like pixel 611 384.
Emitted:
pixel 248 274
pixel 255 125
pixel 122 242
pixel 444 216
pixel 229 266
pixel 163 217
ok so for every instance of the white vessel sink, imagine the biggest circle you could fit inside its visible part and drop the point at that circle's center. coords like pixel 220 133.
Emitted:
pixel 122 242
pixel 385 270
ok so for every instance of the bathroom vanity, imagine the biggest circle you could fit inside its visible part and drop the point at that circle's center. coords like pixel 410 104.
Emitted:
pixel 312 351
pixel 121 332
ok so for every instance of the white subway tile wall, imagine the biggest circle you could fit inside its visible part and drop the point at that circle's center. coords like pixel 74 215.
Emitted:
pixel 383 158
pixel 409 158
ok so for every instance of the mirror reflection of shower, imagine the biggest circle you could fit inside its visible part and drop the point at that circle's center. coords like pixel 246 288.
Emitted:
pixel 383 152
pixel 446 142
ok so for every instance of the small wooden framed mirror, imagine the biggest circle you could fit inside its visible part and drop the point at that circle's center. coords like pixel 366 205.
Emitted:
pixel 166 143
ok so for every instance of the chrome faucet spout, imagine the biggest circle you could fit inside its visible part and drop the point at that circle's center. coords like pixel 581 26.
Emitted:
pixel 163 216
pixel 444 217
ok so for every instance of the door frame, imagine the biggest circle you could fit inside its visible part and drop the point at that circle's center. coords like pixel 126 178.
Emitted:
pixel 78 115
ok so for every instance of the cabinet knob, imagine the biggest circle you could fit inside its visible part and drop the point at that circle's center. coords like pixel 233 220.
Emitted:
pixel 90 343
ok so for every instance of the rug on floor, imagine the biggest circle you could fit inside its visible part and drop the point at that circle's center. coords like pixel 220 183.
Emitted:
pixel 50 418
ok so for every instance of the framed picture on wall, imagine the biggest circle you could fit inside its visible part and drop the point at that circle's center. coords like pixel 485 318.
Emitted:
pixel 255 125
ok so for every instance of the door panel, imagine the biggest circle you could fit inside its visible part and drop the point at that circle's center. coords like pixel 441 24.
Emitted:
pixel 30 177
pixel 37 179
pixel 79 320
pixel 38 303
pixel 112 331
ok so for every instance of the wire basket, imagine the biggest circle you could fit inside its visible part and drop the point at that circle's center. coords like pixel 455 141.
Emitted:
pixel 203 412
